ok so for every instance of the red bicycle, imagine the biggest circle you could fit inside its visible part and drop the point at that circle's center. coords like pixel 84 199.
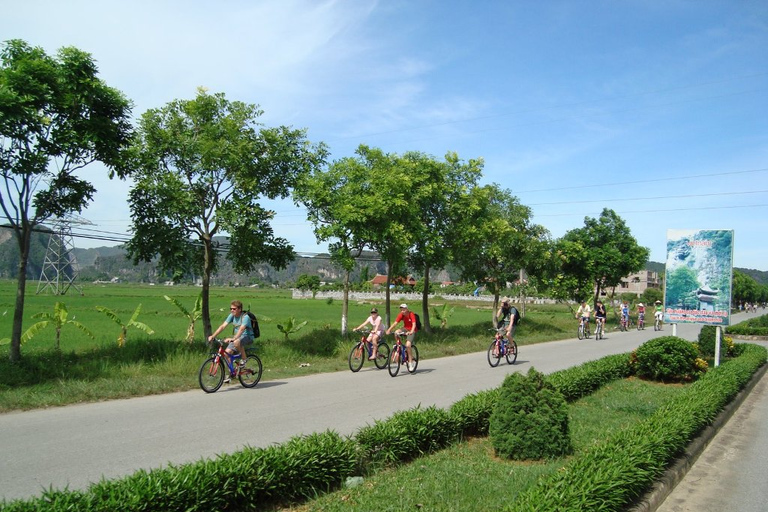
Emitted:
pixel 221 364
pixel 501 347
pixel 363 349
pixel 400 356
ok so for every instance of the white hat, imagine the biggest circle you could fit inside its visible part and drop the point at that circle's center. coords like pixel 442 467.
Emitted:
pixel 505 300
pixel 640 304
pixel 403 305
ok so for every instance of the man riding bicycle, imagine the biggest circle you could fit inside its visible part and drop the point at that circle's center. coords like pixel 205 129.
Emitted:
pixel 243 335
pixel 409 329
pixel 625 314
pixel 505 318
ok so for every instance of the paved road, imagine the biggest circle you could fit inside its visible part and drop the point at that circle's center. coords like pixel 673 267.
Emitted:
pixel 76 445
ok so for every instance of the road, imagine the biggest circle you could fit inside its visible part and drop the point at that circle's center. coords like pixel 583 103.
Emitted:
pixel 80 444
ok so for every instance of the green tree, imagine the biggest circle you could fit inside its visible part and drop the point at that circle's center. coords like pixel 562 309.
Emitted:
pixel 493 238
pixel 56 117
pixel 307 282
pixel 205 164
pixel 438 188
pixel 745 288
pixel 599 255
pixel 682 284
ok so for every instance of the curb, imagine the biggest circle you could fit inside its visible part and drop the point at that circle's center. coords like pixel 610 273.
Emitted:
pixel 653 499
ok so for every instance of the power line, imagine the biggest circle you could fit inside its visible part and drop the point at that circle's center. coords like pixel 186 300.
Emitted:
pixel 660 211
pixel 623 199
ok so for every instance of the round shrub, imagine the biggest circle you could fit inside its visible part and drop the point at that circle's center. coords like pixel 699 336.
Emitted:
pixel 707 342
pixel 667 359
pixel 530 419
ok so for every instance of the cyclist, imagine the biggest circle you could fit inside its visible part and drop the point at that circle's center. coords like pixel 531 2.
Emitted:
pixel 505 318
pixel 600 315
pixel 625 314
pixel 658 313
pixel 583 314
pixel 409 329
pixel 377 331
pixel 640 314
pixel 243 333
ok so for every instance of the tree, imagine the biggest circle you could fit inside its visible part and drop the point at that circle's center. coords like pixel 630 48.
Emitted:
pixel 56 117
pixel 599 255
pixel 745 288
pixel 307 282
pixel 493 238
pixel 437 190
pixel 58 319
pixel 204 165
pixel 133 322
pixel 192 316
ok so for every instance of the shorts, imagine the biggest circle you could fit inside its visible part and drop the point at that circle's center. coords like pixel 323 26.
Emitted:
pixel 408 337
pixel 600 318
pixel 245 341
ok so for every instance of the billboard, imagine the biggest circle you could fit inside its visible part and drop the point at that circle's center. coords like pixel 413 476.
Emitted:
pixel 697 284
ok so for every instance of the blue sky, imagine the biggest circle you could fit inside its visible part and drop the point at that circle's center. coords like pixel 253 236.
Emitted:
pixel 655 109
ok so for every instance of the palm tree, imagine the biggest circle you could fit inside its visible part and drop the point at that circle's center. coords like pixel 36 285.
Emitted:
pixel 59 319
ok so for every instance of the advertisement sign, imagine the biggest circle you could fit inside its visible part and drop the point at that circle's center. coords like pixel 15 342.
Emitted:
pixel 697 286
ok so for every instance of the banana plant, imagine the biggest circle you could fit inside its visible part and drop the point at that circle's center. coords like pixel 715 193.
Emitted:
pixel 443 314
pixel 59 319
pixel 124 326
pixel 193 317
pixel 290 326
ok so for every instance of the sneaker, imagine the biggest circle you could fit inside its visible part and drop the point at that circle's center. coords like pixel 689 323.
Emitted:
pixel 227 380
pixel 410 366
pixel 242 362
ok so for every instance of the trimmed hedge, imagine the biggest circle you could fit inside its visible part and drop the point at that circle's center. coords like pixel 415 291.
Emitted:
pixel 667 359
pixel 613 474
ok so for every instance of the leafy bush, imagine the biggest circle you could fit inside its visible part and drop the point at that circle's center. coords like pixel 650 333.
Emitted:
pixel 472 413
pixel 406 435
pixel 667 359
pixel 530 419
pixel 706 343
pixel 752 327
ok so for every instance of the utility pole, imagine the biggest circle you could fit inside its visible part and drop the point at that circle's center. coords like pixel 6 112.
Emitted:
pixel 60 269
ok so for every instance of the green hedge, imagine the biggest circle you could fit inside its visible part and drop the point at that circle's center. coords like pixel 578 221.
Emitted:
pixel 612 475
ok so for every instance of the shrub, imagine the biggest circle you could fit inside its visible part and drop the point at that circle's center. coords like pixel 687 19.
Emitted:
pixel 707 342
pixel 406 435
pixel 587 378
pixel 530 419
pixel 472 413
pixel 667 359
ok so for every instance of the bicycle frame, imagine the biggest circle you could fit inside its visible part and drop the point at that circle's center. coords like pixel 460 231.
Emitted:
pixel 399 355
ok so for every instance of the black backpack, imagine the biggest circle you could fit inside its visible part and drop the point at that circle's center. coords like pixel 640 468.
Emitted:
pixel 418 322
pixel 254 324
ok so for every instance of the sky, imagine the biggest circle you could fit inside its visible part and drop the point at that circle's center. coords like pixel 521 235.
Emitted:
pixel 657 110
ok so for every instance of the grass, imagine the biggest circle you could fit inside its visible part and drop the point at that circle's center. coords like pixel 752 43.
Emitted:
pixel 91 370
pixel 468 476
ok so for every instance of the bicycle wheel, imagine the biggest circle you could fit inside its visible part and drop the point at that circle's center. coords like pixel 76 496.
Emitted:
pixel 382 357
pixel 511 354
pixel 250 375
pixel 587 334
pixel 394 362
pixel 356 357
pixel 581 332
pixel 415 362
pixel 211 375
pixel 493 360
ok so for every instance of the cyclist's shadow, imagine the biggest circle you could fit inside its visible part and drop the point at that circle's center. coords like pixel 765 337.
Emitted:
pixel 236 385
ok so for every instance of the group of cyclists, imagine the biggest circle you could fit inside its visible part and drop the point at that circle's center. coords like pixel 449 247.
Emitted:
pixel 585 311
pixel 406 316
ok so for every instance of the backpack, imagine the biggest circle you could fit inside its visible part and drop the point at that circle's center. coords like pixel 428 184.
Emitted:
pixel 418 321
pixel 254 324
pixel 515 316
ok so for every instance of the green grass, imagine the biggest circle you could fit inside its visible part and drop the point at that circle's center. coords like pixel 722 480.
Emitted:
pixel 91 370
pixel 468 476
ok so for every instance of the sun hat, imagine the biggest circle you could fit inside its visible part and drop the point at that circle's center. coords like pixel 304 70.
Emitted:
pixel 403 306
pixel 374 310
pixel 640 304
pixel 505 300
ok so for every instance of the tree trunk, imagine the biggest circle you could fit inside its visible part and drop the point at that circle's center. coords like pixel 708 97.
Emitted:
pixel 345 305
pixel 425 301
pixel 23 235
pixel 386 293
pixel 205 304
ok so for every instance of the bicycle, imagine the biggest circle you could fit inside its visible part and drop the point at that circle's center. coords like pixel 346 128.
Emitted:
pixel 599 328
pixel 501 346
pixel 624 323
pixel 657 323
pixel 399 356
pixel 363 349
pixel 583 331
pixel 641 322
pixel 221 364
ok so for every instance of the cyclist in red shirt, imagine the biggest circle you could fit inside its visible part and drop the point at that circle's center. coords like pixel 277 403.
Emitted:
pixel 409 328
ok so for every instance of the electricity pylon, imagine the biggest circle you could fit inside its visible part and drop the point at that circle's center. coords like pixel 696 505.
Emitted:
pixel 60 269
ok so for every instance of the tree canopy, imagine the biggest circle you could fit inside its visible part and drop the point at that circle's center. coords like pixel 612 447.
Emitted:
pixel 203 166
pixel 56 117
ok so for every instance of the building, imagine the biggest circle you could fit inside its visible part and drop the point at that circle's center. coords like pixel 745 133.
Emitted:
pixel 638 282
pixel 380 280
